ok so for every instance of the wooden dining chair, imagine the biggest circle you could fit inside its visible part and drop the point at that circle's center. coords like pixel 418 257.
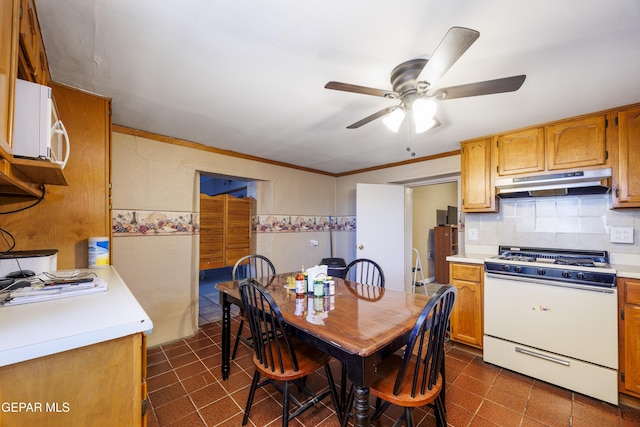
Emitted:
pixel 414 378
pixel 280 357
pixel 250 267
pixel 365 271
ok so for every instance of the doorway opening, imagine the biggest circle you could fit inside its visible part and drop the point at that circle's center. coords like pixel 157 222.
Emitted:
pixel 234 188
pixel 426 200
pixel 433 206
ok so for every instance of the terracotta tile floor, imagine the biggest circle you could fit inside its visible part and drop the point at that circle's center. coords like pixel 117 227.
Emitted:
pixel 186 389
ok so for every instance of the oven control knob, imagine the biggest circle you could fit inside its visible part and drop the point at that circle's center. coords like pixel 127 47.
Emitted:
pixel 581 276
pixel 541 272
pixel 518 269
pixel 505 267
pixel 566 274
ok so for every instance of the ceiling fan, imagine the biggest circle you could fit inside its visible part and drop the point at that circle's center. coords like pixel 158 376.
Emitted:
pixel 413 82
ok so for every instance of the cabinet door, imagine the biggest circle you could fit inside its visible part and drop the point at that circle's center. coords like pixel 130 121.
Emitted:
pixel 626 174
pixel 521 152
pixel 467 315
pixel 629 298
pixel 577 143
pixel 478 192
pixel 632 348
pixel 96 385
pixel 8 71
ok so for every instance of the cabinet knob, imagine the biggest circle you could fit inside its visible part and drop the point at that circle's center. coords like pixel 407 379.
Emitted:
pixel 361 247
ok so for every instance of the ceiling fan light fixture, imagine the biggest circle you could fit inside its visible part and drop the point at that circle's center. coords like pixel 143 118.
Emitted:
pixel 394 119
pixel 424 111
pixel 423 125
pixel 424 108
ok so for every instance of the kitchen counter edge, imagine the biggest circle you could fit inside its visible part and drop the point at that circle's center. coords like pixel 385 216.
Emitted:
pixel 469 258
pixel 43 328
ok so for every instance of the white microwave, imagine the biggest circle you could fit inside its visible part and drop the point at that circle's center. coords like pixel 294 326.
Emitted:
pixel 37 132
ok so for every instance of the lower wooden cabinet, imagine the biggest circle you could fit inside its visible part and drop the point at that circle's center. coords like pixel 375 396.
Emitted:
pixel 467 317
pixel 629 331
pixel 97 385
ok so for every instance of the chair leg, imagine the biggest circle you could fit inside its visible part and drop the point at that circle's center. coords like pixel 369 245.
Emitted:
pixel 343 387
pixel 347 407
pixel 408 414
pixel 334 394
pixel 235 346
pixel 285 405
pixel 252 392
pixel 440 412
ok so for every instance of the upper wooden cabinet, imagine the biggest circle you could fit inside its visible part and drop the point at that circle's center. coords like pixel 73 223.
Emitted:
pixel 577 143
pixel 477 165
pixel 22 55
pixel 33 59
pixel 521 152
pixel 569 144
pixel 8 70
pixel 625 134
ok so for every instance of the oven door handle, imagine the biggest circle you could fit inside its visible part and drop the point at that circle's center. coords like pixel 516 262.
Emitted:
pixel 551 283
pixel 542 356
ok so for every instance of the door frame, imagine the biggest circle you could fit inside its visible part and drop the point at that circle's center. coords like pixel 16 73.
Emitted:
pixel 408 217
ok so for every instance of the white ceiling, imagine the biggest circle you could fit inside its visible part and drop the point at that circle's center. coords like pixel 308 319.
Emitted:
pixel 249 76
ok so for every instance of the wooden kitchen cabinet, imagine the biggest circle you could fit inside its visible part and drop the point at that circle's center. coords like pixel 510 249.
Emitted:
pixel 225 230
pixel 81 209
pixel 33 64
pixel 577 143
pixel 98 385
pixel 521 152
pixel 477 166
pixel 467 317
pixel 21 55
pixel 626 157
pixel 445 244
pixel 8 72
pixel 628 333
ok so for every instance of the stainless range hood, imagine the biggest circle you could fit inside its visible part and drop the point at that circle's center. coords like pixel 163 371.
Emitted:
pixel 593 181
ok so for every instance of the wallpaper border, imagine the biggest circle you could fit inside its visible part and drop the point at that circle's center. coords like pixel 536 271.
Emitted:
pixel 131 222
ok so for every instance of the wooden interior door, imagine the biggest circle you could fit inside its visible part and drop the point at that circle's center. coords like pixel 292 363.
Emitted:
pixel 225 230
pixel 211 232
pixel 238 229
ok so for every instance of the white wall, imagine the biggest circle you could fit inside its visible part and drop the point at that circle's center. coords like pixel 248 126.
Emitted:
pixel 162 271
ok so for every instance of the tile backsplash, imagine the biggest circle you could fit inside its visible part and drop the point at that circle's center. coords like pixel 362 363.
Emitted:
pixel 570 222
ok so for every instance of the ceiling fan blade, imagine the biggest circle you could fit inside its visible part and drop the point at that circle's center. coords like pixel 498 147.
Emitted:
pixel 507 84
pixel 453 45
pixel 372 117
pixel 346 87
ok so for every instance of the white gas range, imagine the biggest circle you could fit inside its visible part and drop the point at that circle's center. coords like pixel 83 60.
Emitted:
pixel 552 314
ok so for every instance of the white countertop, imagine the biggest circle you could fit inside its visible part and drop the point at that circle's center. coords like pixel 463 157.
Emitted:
pixel 42 328
pixel 628 271
pixel 468 258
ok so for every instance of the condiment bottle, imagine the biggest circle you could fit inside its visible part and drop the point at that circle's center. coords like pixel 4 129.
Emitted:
pixel 318 288
pixel 301 285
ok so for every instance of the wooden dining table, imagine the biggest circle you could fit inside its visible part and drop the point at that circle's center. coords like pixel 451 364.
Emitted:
pixel 359 325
